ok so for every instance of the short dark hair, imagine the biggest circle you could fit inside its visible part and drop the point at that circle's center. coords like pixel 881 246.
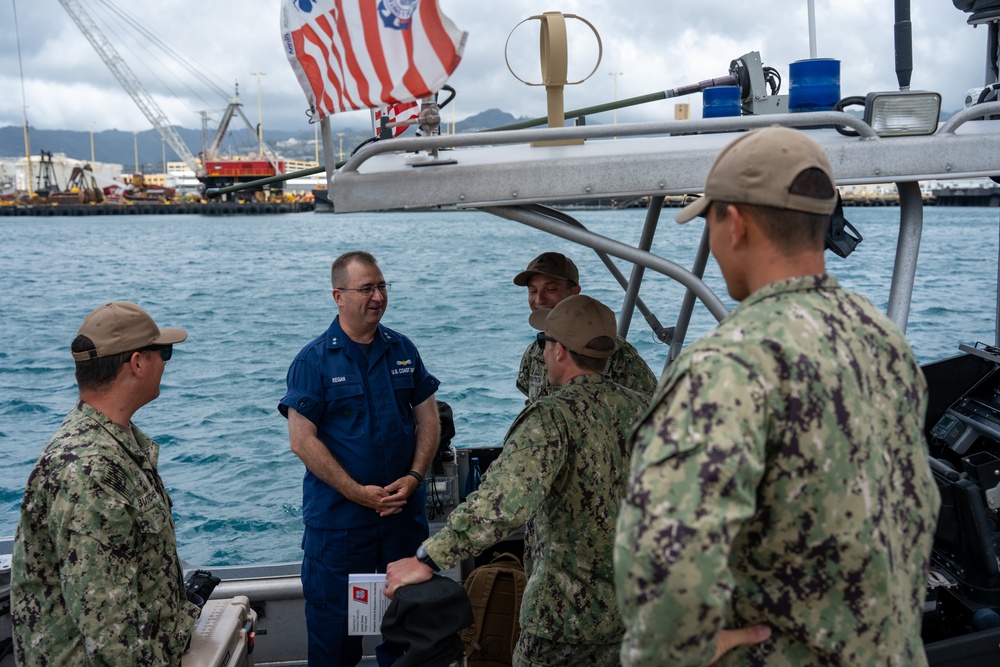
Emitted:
pixel 593 364
pixel 338 271
pixel 98 373
pixel 793 231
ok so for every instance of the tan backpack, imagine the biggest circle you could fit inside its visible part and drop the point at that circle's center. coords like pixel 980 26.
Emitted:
pixel 495 591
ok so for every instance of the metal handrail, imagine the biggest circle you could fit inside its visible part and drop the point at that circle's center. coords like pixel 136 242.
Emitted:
pixel 977 111
pixel 731 124
pixel 533 218
pixel 501 137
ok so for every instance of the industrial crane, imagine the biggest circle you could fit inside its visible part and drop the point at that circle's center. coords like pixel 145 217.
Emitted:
pixel 236 108
pixel 130 83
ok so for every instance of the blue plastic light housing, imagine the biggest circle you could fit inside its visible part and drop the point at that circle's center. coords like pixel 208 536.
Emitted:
pixel 720 101
pixel 903 113
pixel 814 85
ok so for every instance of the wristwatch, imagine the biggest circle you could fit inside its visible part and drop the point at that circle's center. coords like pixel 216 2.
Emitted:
pixel 426 559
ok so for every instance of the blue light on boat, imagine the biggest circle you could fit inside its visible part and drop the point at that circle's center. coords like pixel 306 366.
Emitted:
pixel 814 86
pixel 720 101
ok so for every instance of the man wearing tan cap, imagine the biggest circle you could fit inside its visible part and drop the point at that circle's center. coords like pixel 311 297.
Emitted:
pixel 561 474
pixel 780 502
pixel 95 577
pixel 550 278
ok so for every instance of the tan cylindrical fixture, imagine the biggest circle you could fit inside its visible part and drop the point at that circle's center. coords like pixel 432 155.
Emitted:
pixel 555 59
pixel 554 56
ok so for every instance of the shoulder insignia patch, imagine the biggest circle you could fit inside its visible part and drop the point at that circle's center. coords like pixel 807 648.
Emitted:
pixel 114 477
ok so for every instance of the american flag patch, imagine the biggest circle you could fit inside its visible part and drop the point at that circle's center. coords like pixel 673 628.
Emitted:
pixel 115 478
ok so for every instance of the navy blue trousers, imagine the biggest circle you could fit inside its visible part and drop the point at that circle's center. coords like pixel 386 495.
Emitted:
pixel 330 555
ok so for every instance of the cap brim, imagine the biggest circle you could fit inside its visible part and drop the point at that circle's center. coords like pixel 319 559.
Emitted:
pixel 539 317
pixel 171 336
pixel 521 279
pixel 693 210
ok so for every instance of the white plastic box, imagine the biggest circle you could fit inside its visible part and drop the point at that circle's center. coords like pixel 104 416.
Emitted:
pixel 220 638
pixel 366 604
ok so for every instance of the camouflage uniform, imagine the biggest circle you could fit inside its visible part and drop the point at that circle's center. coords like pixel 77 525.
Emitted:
pixel 627 368
pixel 96 578
pixel 562 472
pixel 781 477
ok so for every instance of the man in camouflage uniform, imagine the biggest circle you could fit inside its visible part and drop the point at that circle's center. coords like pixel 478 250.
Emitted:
pixel 779 500
pixel 550 278
pixel 562 474
pixel 96 578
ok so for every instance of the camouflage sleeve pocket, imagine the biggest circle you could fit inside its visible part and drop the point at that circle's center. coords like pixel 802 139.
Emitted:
pixel 151 519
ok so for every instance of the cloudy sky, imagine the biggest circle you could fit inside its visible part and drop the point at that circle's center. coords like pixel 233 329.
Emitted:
pixel 653 44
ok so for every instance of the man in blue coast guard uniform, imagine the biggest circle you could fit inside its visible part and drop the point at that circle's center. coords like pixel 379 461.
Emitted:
pixel 363 419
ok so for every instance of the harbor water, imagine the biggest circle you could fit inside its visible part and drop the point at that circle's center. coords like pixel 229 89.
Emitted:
pixel 252 290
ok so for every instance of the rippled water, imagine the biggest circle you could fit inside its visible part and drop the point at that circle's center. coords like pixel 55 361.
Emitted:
pixel 251 291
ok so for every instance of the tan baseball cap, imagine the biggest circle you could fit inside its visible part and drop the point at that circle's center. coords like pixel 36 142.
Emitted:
pixel 553 264
pixel 122 326
pixel 575 321
pixel 759 168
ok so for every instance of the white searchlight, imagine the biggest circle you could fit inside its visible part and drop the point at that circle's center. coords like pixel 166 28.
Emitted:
pixel 903 113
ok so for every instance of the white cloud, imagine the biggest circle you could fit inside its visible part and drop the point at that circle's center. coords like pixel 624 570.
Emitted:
pixel 656 45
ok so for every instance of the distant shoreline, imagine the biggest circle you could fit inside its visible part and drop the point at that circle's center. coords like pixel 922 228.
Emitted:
pixel 179 208
pixel 969 197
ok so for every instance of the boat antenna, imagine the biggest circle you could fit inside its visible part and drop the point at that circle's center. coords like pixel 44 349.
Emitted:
pixel 811 6
pixel 904 44
pixel 24 99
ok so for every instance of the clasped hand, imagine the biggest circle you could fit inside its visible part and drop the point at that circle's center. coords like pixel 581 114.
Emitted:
pixel 387 500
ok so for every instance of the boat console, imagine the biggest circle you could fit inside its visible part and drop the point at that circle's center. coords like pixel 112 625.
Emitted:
pixel 962 611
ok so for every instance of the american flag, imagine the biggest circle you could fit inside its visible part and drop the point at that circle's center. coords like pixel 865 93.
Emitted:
pixel 366 54
pixel 396 113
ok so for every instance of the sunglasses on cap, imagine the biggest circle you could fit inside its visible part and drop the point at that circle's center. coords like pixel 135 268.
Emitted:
pixel 541 338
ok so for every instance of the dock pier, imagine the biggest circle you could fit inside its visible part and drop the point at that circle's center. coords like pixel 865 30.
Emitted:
pixel 215 208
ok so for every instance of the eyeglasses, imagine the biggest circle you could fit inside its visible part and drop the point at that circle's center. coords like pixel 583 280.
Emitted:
pixel 166 351
pixel 367 290
pixel 541 338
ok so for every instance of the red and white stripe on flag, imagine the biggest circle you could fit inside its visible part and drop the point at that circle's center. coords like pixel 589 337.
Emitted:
pixel 363 54
pixel 396 113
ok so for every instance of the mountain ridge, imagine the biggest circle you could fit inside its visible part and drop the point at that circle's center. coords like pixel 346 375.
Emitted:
pixel 120 147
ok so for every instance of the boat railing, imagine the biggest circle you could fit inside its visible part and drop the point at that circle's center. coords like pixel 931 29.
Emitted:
pixel 860 159
pixel 965 115
pixel 559 224
pixel 705 125
pixel 521 180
